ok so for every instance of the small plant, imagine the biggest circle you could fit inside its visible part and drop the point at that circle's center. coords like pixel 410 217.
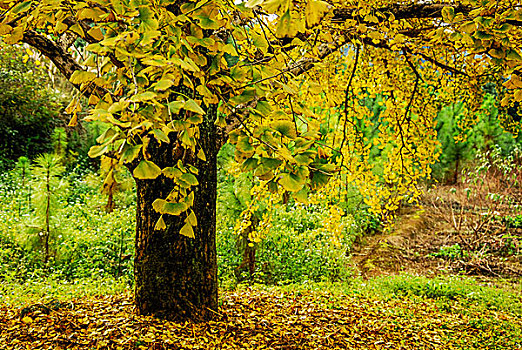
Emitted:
pixel 47 184
pixel 452 252
pixel 512 221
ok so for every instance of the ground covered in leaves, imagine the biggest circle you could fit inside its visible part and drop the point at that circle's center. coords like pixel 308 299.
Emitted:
pixel 261 318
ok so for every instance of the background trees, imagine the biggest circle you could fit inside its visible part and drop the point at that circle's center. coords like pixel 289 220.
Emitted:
pixel 176 79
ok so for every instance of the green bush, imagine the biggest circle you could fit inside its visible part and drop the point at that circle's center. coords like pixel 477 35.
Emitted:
pixel 88 242
pixel 297 248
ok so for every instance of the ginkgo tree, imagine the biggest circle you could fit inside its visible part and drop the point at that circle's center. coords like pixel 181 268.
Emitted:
pixel 284 82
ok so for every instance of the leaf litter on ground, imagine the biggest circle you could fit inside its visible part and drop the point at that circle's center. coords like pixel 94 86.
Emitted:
pixel 261 318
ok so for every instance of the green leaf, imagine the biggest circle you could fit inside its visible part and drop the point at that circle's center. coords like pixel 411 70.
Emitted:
pixel 319 180
pixel 263 108
pixel 190 179
pixel 244 145
pixel 249 164
pixel 96 151
pixel 468 27
pixel 172 172
pixel 206 22
pixel 238 73
pixel 187 231
pixel 193 106
pixel 192 219
pixel 292 182
pixel 195 119
pixel 163 85
pixel 448 13
pixel 148 22
pixel 302 195
pixel 146 170
pixel 109 133
pixel 175 106
pixel 302 144
pixel 328 167
pixel 260 42
pixel 272 186
pixel 144 96
pixel 21 7
pixel 504 28
pixel 158 205
pixel 81 76
pixel 267 164
pixel 149 36
pixel 174 208
pixel 201 155
pixel 285 128
pixel 189 199
pixel 480 34
pixel 130 153
pixel 304 158
pixel 160 136
pixel 246 96
pixel 285 27
pixel 513 55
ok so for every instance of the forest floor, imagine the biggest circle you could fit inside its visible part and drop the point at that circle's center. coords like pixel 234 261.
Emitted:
pixel 266 318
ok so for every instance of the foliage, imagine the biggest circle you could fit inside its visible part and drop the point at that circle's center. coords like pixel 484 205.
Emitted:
pixel 459 148
pixel 303 242
pixel 47 289
pixel 46 173
pixel 293 242
pixel 311 317
pixel 298 246
pixel 452 252
pixel 28 110
pixel 88 242
pixel 307 92
pixel 513 221
pixel 156 71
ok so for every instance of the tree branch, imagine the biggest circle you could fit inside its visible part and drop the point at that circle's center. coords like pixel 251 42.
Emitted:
pixel 419 11
pixel 63 60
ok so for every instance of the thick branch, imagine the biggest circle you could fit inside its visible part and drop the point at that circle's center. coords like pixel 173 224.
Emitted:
pixel 63 60
pixel 422 10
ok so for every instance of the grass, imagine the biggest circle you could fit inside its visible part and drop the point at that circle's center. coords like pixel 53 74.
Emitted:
pixel 16 295
pixel 446 292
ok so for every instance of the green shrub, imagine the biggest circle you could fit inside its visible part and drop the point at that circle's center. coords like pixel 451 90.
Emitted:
pixel 88 242
pixel 297 248
pixel 452 252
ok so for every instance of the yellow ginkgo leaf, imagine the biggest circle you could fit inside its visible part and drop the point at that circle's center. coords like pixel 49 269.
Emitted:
pixel 187 231
pixel 314 12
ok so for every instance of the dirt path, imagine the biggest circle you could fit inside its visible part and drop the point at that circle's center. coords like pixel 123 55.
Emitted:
pixel 422 242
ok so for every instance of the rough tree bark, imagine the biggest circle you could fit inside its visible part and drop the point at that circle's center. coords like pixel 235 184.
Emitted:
pixel 176 276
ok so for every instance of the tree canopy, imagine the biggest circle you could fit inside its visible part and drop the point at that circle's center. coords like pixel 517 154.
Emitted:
pixel 272 69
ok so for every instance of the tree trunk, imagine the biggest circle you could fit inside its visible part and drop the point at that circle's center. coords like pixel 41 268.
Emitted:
pixel 176 276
